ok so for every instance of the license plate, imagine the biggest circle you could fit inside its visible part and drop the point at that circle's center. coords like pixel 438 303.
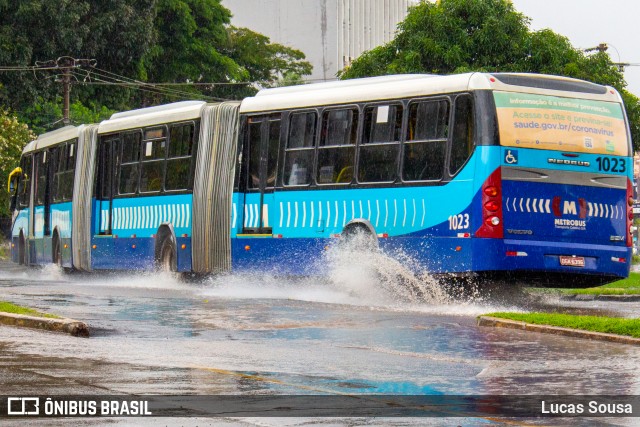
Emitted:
pixel 572 261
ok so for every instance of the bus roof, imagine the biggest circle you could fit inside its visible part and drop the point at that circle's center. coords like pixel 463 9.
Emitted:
pixel 143 117
pixel 51 138
pixel 415 85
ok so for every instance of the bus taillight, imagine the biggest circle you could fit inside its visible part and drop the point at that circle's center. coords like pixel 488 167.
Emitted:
pixel 629 213
pixel 492 207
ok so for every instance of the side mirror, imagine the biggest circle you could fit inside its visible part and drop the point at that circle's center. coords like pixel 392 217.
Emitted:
pixel 13 179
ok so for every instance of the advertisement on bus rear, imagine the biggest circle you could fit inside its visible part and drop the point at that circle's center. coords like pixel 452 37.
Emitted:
pixel 557 123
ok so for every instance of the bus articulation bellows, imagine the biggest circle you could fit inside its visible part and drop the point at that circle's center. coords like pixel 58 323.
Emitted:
pixel 518 175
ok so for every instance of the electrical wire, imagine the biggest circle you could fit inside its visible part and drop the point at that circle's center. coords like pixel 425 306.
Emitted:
pixel 99 79
pixel 106 77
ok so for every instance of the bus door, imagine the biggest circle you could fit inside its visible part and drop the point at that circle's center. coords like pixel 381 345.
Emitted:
pixel 106 176
pixel 40 218
pixel 51 167
pixel 263 140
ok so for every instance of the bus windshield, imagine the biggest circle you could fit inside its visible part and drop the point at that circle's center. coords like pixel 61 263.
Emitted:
pixel 558 123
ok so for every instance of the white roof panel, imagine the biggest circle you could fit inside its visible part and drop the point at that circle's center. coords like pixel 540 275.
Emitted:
pixel 144 117
pixel 51 138
pixel 398 87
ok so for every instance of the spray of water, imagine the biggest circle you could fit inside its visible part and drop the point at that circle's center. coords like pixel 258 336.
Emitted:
pixel 359 267
pixel 356 272
pixel 353 272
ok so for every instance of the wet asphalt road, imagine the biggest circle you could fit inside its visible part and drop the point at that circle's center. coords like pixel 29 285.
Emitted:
pixel 248 334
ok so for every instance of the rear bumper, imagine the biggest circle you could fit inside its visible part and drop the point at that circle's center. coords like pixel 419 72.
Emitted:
pixel 543 257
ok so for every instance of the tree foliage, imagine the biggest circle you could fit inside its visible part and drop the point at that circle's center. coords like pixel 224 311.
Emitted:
pixel 454 36
pixel 47 114
pixel 117 33
pixel 162 41
pixel 264 63
pixel 13 137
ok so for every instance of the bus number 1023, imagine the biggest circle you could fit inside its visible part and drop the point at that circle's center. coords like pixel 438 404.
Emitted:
pixel 611 164
pixel 459 222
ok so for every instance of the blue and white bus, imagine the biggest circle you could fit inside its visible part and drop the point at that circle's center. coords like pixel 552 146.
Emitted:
pixel 517 175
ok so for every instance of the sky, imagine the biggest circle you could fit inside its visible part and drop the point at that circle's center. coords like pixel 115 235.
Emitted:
pixel 587 23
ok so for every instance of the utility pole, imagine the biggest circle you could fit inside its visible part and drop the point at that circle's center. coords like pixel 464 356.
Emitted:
pixel 66 64
pixel 602 47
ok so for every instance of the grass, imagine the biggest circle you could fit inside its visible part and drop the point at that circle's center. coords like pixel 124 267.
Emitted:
pixel 628 286
pixel 610 325
pixel 7 307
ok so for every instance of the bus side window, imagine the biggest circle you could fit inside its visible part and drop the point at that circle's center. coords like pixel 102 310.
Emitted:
pixel 300 148
pixel 57 189
pixel 129 163
pixel 273 149
pixel 337 146
pixel 69 173
pixel 426 141
pixel 380 143
pixel 254 139
pixel 64 164
pixel 154 151
pixel 24 184
pixel 182 144
pixel 41 179
pixel 462 138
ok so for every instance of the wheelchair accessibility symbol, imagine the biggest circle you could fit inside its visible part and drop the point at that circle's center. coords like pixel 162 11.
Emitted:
pixel 511 157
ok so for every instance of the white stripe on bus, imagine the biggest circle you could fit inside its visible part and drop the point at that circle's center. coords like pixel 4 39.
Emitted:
pixel 415 212
pixel 404 217
pixel 304 214
pixel 344 214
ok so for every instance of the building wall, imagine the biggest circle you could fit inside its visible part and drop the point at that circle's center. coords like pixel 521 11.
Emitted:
pixel 331 33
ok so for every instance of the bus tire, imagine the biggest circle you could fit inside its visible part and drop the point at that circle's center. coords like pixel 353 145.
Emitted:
pixel 56 256
pixel 168 259
pixel 358 236
pixel 22 250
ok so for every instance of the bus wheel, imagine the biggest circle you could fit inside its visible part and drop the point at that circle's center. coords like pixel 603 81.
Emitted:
pixel 57 252
pixel 168 261
pixel 22 251
pixel 356 237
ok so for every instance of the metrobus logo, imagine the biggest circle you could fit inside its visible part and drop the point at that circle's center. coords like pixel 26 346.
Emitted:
pixel 569 207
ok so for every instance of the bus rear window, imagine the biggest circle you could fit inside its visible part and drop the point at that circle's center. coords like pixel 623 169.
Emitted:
pixel 562 124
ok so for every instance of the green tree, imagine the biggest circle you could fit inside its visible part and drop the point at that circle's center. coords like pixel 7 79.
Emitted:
pixel 261 62
pixel 47 114
pixel 13 137
pixel 116 32
pixel 454 36
pixel 185 42
pixel 189 37
pixel 195 44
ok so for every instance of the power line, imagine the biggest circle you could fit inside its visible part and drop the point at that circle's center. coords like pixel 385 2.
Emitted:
pixel 65 64
pixel 105 78
pixel 145 88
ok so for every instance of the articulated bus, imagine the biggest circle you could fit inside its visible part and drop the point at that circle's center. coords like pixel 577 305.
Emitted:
pixel 518 175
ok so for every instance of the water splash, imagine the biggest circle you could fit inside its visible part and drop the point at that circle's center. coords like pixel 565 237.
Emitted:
pixel 355 272
pixel 359 267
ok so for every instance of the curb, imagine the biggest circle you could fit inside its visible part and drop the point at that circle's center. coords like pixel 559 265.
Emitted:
pixel 555 330
pixel 69 326
pixel 592 297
